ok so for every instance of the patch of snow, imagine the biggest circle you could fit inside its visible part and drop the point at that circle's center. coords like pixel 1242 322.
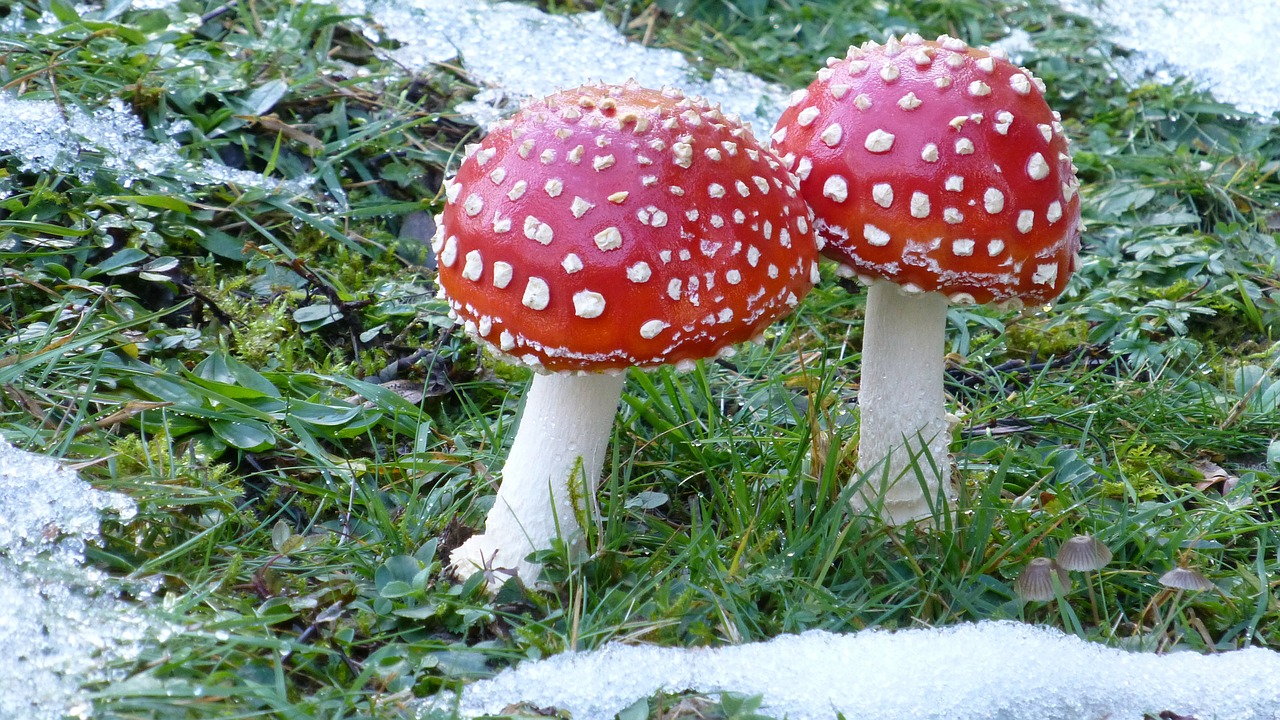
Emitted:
pixel 43 137
pixel 63 623
pixel 993 670
pixel 518 52
pixel 1220 44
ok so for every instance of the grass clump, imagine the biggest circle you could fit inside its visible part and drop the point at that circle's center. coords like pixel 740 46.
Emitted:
pixel 266 370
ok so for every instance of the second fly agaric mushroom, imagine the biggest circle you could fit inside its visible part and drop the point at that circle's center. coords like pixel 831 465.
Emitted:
pixel 937 174
pixel 603 228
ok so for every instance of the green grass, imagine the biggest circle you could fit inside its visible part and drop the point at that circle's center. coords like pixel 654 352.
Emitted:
pixel 295 516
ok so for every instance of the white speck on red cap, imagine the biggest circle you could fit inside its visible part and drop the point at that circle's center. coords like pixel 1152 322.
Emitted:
pixel 449 253
pixel 879 141
pixel 919 205
pixel 993 200
pixel 588 304
pixel 579 207
pixel 836 188
pixel 537 295
pixel 1037 168
pixel 501 274
pixel 609 238
pixel 882 194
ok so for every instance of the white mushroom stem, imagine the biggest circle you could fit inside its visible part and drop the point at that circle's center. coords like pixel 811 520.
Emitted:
pixel 550 477
pixel 904 437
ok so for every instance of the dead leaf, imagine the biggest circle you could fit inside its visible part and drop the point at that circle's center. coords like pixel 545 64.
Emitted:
pixel 1214 474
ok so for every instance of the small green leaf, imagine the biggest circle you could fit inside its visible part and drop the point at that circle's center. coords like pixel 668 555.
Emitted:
pixel 221 244
pixel 45 228
pixel 326 415
pixel 280 534
pixel 395 589
pixel 161 265
pixel 167 388
pixel 292 545
pixel 164 202
pixel 64 11
pixel 264 97
pixel 427 553
pixel 648 500
pixel 312 317
pixel 638 710
pixel 402 567
pixel 221 368
pixel 422 612
pixel 243 434
pixel 124 261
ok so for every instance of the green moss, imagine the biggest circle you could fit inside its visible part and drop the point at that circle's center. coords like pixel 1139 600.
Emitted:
pixel 157 457
pixel 266 335
pixel 1148 471
pixel 1121 491
pixel 1178 290
pixel 506 371
pixel 1046 339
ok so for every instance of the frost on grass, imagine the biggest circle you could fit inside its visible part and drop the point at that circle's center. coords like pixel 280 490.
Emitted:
pixel 1220 44
pixel 41 136
pixel 517 52
pixel 994 670
pixel 62 625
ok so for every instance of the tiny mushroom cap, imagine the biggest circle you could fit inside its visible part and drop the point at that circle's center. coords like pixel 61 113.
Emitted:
pixel 1083 553
pixel 1181 578
pixel 613 226
pixel 937 166
pixel 1036 580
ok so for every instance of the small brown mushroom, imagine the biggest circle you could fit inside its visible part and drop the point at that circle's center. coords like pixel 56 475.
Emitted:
pixel 1036 580
pixel 1183 578
pixel 1083 553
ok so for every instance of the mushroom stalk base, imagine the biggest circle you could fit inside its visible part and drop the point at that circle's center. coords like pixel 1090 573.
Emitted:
pixel 550 477
pixel 904 436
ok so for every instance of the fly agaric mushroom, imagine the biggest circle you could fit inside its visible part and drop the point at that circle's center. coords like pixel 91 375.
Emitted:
pixel 937 174
pixel 598 229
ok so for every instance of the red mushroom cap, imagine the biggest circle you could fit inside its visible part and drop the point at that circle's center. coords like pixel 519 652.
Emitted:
pixel 937 166
pixel 613 226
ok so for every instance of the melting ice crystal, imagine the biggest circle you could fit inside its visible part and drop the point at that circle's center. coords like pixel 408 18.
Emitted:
pixel 42 137
pixel 520 52
pixel 985 671
pixel 1220 44
pixel 61 622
